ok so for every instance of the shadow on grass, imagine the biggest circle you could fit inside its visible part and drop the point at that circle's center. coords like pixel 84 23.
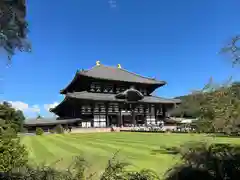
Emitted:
pixel 166 150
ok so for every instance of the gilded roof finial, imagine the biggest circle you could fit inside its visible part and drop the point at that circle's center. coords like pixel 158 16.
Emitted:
pixel 98 63
pixel 119 66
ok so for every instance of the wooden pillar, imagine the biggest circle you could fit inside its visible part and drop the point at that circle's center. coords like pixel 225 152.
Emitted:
pixel 155 113
pixel 92 111
pixel 145 115
pixel 120 121
pixel 133 114
pixel 164 111
pixel 106 110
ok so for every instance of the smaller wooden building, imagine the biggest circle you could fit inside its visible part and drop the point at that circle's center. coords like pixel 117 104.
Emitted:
pixel 50 123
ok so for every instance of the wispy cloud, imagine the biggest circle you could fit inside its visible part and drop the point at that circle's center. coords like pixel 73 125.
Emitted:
pixel 48 106
pixel 28 110
pixel 112 3
pixel 33 110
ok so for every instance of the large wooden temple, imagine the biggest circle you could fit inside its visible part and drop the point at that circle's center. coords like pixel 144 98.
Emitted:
pixel 106 96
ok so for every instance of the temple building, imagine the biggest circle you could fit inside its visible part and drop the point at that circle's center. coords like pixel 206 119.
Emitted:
pixel 106 96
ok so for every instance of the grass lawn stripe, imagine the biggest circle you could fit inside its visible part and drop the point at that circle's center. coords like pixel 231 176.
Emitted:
pixel 89 153
pixel 138 161
pixel 41 151
pixel 125 152
pixel 27 142
pixel 143 138
pixel 76 145
pixel 125 148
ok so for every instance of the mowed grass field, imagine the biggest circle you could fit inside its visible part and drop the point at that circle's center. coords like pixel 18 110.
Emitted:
pixel 98 148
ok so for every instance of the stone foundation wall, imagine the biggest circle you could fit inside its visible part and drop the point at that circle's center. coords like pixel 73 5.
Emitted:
pixel 90 130
pixel 97 130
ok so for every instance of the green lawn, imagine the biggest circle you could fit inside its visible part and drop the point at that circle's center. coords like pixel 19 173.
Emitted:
pixel 97 148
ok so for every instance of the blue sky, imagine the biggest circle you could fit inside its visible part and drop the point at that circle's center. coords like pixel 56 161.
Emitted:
pixel 176 41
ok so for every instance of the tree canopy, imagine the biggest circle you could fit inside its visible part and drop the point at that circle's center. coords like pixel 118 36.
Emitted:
pixel 13 26
pixel 217 108
pixel 10 117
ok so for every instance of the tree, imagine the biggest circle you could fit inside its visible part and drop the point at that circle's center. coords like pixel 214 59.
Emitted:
pixel 39 131
pixel 233 50
pixel 221 109
pixel 203 161
pixel 12 153
pixel 9 117
pixel 13 26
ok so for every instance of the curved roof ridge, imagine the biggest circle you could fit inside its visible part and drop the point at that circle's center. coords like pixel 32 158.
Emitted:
pixel 137 74
pixel 125 70
pixel 85 72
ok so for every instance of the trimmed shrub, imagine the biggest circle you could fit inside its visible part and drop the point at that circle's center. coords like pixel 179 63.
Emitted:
pixel 59 129
pixel 52 131
pixel 39 131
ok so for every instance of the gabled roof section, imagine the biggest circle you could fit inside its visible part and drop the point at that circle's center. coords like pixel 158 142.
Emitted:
pixel 118 74
pixel 84 95
pixel 112 73
pixel 49 121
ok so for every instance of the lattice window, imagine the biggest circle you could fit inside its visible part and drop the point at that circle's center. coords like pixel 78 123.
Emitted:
pixel 98 88
pixel 83 109
pixel 141 108
pixel 108 88
pixel 86 124
pixel 99 121
pixel 151 119
pixel 92 87
pixel 102 107
pixel 88 108
pixel 95 87
pixel 105 90
pixel 147 109
pixel 115 107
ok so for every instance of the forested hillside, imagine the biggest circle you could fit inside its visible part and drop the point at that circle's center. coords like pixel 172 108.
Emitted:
pixel 192 103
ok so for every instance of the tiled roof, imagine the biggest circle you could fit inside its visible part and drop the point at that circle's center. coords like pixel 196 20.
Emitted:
pixel 48 121
pixel 111 97
pixel 118 74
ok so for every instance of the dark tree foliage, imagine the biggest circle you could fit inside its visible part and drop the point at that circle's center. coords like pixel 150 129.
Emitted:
pixel 216 107
pixel 190 106
pixel 11 117
pixel 114 170
pixel 209 162
pixel 233 49
pixel 13 26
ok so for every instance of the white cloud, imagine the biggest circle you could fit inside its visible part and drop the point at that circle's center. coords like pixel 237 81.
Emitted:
pixel 32 110
pixel 48 106
pixel 19 105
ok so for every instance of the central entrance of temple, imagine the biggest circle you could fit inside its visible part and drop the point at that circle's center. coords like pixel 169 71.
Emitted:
pixel 113 120
pixel 127 120
pixel 140 119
